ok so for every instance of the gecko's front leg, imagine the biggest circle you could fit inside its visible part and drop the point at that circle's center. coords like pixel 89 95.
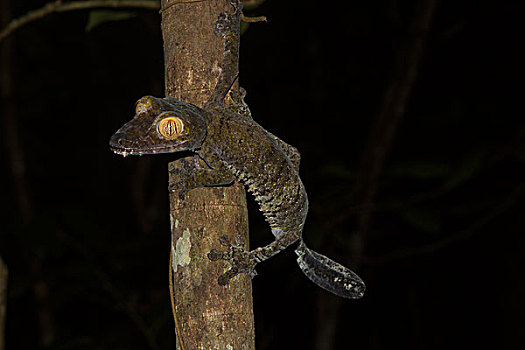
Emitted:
pixel 193 172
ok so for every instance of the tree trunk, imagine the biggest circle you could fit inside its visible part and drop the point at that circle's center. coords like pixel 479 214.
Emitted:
pixel 3 301
pixel 207 315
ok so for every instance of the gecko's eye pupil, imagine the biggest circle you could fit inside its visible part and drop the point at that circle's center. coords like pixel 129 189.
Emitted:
pixel 170 127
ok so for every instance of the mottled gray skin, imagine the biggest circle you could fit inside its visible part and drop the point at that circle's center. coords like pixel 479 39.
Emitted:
pixel 233 146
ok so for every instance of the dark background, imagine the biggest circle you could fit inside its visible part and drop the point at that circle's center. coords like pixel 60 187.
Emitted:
pixel 85 233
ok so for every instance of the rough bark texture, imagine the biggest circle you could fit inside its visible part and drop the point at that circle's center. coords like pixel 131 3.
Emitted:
pixel 209 316
pixel 3 301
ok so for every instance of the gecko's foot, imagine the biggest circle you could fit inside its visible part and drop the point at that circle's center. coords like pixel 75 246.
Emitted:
pixel 241 261
pixel 224 25
pixel 227 21
pixel 180 171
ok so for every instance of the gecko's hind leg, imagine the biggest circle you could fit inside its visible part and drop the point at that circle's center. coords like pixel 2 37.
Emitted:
pixel 241 260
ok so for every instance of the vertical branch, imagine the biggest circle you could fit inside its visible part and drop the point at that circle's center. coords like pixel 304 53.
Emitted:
pixel 395 100
pixel 208 315
pixel 3 301
pixel 17 165
pixel 8 113
pixel 15 152
pixel 382 134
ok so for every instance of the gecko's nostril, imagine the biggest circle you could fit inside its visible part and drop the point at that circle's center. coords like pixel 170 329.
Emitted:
pixel 115 140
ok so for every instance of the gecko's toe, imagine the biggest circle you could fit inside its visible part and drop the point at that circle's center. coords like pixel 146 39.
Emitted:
pixel 215 255
pixel 175 188
pixel 225 278
pixel 224 241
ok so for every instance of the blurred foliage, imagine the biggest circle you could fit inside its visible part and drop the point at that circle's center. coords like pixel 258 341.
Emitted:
pixel 97 17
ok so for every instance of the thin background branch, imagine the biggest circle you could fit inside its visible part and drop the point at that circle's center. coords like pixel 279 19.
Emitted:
pixel 380 141
pixel 395 101
pixel 3 301
pixel 514 197
pixel 11 134
pixel 59 6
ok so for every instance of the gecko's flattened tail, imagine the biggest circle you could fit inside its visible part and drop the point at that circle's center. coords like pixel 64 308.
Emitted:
pixel 328 274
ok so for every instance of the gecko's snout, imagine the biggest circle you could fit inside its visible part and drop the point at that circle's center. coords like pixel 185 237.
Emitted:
pixel 116 145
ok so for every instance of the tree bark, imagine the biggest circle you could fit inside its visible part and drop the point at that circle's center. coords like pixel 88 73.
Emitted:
pixel 3 301
pixel 207 315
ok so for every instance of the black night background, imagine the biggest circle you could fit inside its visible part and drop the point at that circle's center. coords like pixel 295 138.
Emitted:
pixel 413 160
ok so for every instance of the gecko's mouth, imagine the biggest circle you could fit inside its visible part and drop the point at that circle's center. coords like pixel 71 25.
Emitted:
pixel 126 151
pixel 124 147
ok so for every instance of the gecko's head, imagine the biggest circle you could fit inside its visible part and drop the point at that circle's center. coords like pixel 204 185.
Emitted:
pixel 160 126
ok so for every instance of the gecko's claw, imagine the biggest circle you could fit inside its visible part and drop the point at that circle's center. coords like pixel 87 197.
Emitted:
pixel 241 261
pixel 225 242
pixel 176 188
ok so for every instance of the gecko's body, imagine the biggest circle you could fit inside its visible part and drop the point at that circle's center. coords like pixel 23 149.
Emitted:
pixel 227 145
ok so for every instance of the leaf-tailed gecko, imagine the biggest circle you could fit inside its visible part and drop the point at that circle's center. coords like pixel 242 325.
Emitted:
pixel 233 146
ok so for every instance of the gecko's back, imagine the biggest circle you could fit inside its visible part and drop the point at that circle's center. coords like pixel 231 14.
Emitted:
pixel 254 157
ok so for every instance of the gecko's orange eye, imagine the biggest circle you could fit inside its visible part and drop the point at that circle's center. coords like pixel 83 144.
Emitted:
pixel 170 127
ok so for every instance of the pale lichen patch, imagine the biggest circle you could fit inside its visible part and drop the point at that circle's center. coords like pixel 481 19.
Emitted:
pixel 181 255
pixel 216 67
pixel 190 78
pixel 173 261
